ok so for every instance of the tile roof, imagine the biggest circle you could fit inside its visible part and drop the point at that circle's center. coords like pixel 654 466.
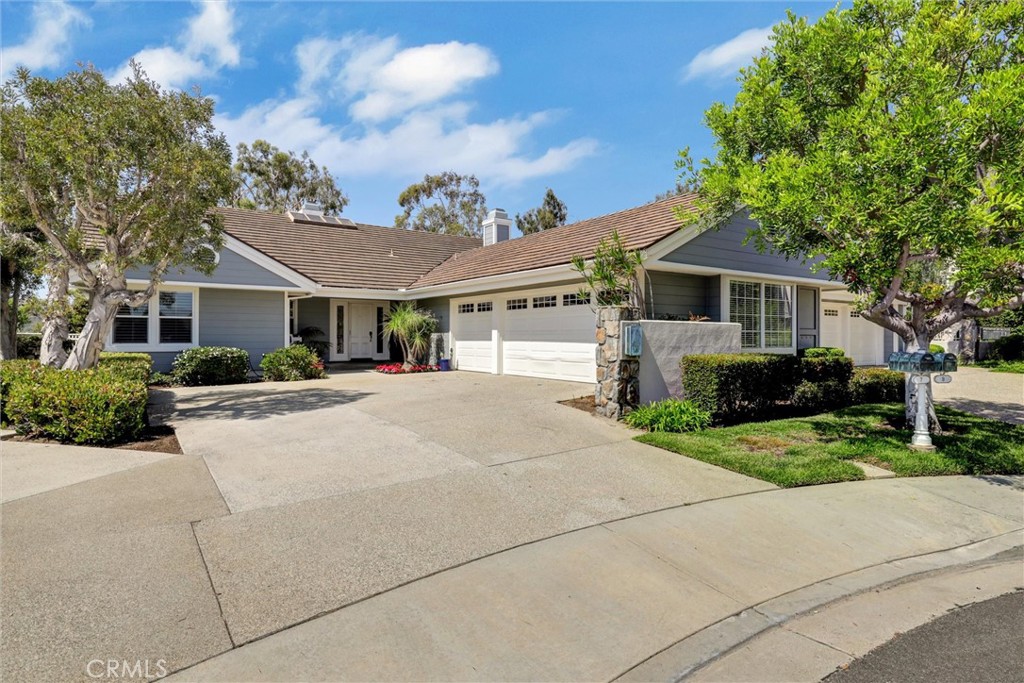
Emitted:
pixel 639 228
pixel 359 256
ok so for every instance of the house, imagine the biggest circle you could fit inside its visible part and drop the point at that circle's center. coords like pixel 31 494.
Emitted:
pixel 505 306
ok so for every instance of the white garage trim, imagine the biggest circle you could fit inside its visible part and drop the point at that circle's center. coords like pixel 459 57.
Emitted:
pixel 843 327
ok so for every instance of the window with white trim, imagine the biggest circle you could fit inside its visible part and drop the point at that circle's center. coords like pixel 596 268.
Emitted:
pixel 575 299
pixel 175 314
pixel 465 308
pixel 485 307
pixel 549 301
pixel 764 312
pixel 517 304
pixel 131 324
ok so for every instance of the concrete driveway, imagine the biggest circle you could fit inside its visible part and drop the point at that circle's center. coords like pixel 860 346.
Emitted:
pixel 998 395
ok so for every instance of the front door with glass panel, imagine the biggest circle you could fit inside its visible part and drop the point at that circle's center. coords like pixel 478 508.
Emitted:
pixel 339 331
pixel 363 332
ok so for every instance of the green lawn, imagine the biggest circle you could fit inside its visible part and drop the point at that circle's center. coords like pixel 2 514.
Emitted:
pixel 817 449
pixel 1016 366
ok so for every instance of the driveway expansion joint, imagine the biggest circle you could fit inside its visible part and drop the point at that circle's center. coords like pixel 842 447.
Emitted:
pixel 213 588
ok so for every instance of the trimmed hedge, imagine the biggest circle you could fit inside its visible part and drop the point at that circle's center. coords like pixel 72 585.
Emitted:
pixel 877 385
pixel 826 369
pixel 670 415
pixel 818 397
pixel 739 385
pixel 77 406
pixel 824 352
pixel 11 373
pixel 133 366
pixel 292 363
pixel 1010 347
pixel 210 365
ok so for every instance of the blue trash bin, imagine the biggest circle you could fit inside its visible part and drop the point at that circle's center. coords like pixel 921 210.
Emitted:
pixel 445 364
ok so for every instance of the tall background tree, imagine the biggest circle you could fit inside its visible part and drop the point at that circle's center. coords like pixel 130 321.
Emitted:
pixel 550 214
pixel 116 177
pixel 886 139
pixel 269 179
pixel 20 265
pixel 448 203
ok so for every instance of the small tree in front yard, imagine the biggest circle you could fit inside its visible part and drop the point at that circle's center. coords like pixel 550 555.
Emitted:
pixel 116 177
pixel 411 327
pixel 612 275
pixel 886 141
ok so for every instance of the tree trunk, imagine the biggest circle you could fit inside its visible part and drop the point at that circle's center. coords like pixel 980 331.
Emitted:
pixel 86 352
pixel 10 294
pixel 55 319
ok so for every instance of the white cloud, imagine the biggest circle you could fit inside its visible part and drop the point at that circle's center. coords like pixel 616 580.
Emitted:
pixel 384 81
pixel 725 59
pixel 46 45
pixel 206 46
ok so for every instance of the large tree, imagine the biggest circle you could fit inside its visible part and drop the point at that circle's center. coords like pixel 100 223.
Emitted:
pixel 887 140
pixel 448 203
pixel 20 262
pixel 116 177
pixel 270 179
pixel 550 214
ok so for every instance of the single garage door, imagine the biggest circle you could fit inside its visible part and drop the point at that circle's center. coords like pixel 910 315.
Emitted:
pixel 536 333
pixel 549 334
pixel 472 331
pixel 861 339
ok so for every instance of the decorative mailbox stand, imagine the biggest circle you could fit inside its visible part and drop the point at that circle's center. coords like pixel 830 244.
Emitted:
pixel 920 365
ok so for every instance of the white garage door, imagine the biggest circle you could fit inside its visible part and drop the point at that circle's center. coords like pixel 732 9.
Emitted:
pixel 845 328
pixel 549 335
pixel 539 333
pixel 472 331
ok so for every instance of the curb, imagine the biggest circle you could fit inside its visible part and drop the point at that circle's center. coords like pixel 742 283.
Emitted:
pixel 725 637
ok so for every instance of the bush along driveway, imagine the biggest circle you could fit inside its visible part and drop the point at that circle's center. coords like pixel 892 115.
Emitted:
pixel 821 449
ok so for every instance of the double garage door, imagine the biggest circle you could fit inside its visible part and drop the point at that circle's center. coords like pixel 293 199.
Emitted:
pixel 843 327
pixel 545 333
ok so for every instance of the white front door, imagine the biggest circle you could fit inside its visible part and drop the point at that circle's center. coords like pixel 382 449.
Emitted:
pixel 363 332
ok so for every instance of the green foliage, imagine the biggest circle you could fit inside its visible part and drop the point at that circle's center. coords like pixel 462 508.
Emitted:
pixel 117 177
pixel 135 367
pixel 161 379
pixel 82 407
pixel 739 386
pixel 448 203
pixel 315 339
pixel 550 214
pixel 936 348
pixel 829 369
pixel 1010 347
pixel 1010 366
pixel 817 396
pixel 817 450
pixel 885 140
pixel 877 385
pixel 824 352
pixel 269 179
pixel 613 274
pixel 292 363
pixel 28 346
pixel 412 328
pixel 670 415
pixel 11 373
pixel 210 365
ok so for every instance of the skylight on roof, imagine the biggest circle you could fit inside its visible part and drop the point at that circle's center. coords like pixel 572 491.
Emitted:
pixel 319 219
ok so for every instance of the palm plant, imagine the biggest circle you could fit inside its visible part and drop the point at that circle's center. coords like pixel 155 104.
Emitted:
pixel 412 328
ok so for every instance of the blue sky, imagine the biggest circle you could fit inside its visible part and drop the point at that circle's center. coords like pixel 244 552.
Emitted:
pixel 590 99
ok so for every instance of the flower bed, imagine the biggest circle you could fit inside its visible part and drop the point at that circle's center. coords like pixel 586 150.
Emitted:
pixel 397 369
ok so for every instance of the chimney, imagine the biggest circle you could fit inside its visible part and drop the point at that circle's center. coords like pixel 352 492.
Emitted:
pixel 496 227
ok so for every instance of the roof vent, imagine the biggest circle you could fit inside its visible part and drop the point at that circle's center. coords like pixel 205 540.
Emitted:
pixel 312 214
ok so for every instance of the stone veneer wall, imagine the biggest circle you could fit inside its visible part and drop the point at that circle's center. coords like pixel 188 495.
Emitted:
pixel 618 379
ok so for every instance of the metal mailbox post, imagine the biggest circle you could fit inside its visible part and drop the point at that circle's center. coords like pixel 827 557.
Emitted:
pixel 920 365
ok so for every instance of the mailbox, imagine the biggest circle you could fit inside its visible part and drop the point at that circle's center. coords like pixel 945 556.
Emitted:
pixel 632 340
pixel 922 361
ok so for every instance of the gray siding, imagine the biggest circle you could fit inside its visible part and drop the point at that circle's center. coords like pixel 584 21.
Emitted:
pixel 315 312
pixel 249 320
pixel 677 294
pixel 441 310
pixel 232 270
pixel 724 248
pixel 162 360
pixel 715 299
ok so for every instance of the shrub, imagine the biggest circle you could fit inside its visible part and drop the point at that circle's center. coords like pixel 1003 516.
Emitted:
pixel 833 369
pixel 291 363
pixel 1010 347
pixel 133 366
pixel 12 372
pixel 936 348
pixel 210 365
pixel 78 406
pixel 877 385
pixel 670 415
pixel 29 346
pixel 824 352
pixel 734 386
pixel 818 397
pixel 161 379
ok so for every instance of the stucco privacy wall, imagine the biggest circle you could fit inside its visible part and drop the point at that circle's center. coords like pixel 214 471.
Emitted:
pixel 724 248
pixel 665 343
